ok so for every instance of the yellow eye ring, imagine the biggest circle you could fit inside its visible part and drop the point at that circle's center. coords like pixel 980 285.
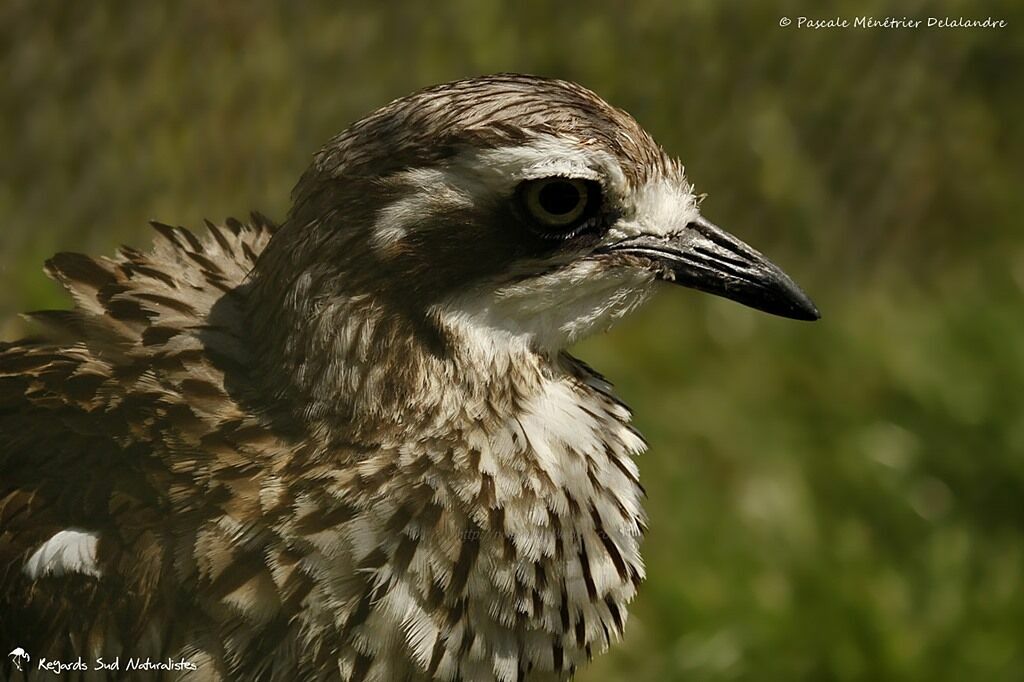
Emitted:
pixel 557 202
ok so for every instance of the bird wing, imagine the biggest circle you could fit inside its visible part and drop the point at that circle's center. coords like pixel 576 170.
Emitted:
pixel 115 417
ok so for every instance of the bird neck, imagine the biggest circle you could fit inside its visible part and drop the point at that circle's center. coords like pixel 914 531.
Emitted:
pixel 356 368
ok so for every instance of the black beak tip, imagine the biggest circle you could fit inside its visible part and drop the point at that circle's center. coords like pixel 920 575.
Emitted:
pixel 797 305
pixel 808 313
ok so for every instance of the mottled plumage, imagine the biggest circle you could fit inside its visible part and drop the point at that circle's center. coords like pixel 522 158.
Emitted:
pixel 353 447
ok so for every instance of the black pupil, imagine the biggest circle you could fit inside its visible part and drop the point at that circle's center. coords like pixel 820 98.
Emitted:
pixel 559 198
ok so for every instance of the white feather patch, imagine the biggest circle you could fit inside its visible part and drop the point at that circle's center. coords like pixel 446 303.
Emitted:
pixel 69 551
pixel 664 206
pixel 552 310
pixel 547 156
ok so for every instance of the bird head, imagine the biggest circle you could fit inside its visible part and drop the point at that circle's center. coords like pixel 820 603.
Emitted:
pixel 506 207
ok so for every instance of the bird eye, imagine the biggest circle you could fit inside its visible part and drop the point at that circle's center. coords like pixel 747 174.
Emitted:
pixel 560 203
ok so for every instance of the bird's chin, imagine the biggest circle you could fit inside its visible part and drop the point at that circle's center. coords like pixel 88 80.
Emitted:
pixel 557 308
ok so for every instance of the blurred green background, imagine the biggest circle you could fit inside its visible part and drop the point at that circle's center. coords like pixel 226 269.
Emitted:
pixel 837 501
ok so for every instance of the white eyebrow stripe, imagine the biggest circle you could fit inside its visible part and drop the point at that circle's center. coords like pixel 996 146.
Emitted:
pixel 545 156
pixel 71 550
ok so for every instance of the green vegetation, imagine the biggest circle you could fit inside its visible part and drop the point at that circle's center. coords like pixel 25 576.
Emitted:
pixel 837 501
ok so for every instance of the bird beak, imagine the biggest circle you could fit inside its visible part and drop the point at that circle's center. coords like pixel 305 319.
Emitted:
pixel 709 259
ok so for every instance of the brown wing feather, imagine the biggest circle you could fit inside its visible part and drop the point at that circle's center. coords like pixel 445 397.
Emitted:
pixel 108 424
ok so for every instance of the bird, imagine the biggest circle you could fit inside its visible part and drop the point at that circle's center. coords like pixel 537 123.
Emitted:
pixel 352 445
